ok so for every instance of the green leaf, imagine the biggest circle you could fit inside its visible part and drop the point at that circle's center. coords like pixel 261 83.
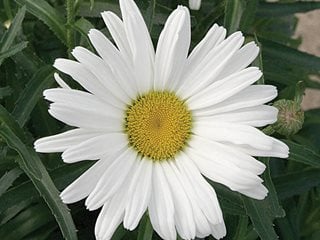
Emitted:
pixel 49 15
pixel 9 36
pixel 5 91
pixel 8 178
pixel 295 183
pixel 279 9
pixel 41 80
pixel 145 231
pixel 272 202
pixel 150 14
pixel 26 222
pixel 303 154
pixel 86 11
pixel 281 54
pixel 33 167
pixel 260 218
pixel 233 13
pixel 248 15
pixel 230 201
pixel 241 229
pixel 13 50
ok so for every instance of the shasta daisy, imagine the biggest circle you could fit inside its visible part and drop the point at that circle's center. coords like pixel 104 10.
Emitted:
pixel 158 122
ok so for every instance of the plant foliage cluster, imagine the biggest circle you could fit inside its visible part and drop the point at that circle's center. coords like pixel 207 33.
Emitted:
pixel 35 32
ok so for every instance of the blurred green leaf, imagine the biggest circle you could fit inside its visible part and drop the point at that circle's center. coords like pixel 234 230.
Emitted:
pixel 49 15
pixel 145 231
pixel 13 50
pixel 26 222
pixel 5 91
pixel 8 178
pixel 303 154
pixel 260 218
pixel 41 80
pixel 290 57
pixel 295 183
pixel 233 13
pixel 33 167
pixel 9 36
pixel 280 9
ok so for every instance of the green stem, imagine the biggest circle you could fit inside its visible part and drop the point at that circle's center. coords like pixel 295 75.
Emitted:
pixel 70 22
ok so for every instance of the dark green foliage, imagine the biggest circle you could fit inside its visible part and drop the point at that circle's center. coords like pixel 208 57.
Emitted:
pixel 35 32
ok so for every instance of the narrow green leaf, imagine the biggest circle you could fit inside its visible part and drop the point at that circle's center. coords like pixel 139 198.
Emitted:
pixel 260 219
pixel 233 13
pixel 13 50
pixel 248 15
pixel 229 200
pixel 8 178
pixel 303 154
pixel 145 229
pixel 33 167
pixel 41 80
pixel 5 91
pixel 272 202
pixel 241 229
pixel 150 14
pixel 10 35
pixel 26 222
pixel 278 9
pixel 86 11
pixel 281 54
pixel 49 15
pixel 295 183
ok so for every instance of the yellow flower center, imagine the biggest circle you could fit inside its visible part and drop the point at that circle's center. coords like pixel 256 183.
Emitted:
pixel 158 125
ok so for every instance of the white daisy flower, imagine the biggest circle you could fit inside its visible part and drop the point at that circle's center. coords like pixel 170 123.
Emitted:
pixel 157 122
pixel 194 4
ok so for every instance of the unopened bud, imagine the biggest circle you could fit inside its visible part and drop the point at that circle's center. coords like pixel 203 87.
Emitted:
pixel 290 117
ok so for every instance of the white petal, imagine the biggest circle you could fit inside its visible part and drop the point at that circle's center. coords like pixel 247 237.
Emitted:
pixel 257 116
pixel 233 177
pixel 139 194
pixel 227 156
pixel 60 142
pixel 278 149
pixel 95 147
pixel 172 49
pixel 120 68
pixel 195 4
pixel 184 219
pixel 225 88
pixel 254 95
pixel 161 207
pixel 116 29
pixel 241 59
pixel 86 118
pixel 72 98
pixel 140 44
pixel 234 133
pixel 208 68
pixel 102 71
pixel 60 81
pixel 84 184
pixel 112 179
pixel 219 230
pixel 82 75
pixel 205 194
pixel 111 215
pixel 200 219
pixel 214 36
pixel 259 192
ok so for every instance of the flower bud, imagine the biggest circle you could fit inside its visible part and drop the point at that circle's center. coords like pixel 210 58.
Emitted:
pixel 290 117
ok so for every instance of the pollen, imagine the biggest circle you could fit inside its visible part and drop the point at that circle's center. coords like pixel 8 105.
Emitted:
pixel 158 125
